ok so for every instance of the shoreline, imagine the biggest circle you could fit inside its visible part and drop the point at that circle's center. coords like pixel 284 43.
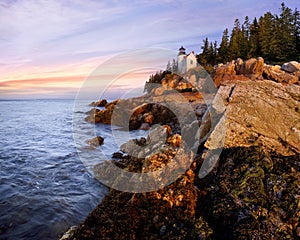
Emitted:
pixel 242 194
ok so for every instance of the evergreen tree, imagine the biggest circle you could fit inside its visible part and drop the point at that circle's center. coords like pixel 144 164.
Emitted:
pixel 269 43
pixel 254 41
pixel 235 38
pixel 224 47
pixel 243 43
pixel 285 34
pixel 247 27
pixel 215 52
pixel 296 25
pixel 246 38
pixel 274 37
pixel 203 57
pixel 211 55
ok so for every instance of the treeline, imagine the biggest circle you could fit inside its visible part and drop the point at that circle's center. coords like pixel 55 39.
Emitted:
pixel 274 37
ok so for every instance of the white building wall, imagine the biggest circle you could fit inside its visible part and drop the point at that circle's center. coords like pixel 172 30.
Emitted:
pixel 191 61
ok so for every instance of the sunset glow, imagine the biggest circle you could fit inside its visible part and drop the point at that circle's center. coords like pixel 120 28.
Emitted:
pixel 48 48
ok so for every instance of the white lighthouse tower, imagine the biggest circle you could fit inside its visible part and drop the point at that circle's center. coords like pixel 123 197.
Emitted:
pixel 181 59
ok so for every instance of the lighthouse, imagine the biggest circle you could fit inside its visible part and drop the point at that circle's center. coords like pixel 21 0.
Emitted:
pixel 181 59
pixel 186 62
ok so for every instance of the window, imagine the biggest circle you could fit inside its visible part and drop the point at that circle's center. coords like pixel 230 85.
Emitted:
pixel 191 61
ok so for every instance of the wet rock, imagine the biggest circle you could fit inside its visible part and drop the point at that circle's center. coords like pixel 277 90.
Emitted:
pixel 100 103
pixel 112 104
pixel 135 122
pixel 145 126
pixel 117 155
pixel 69 233
pixel 93 111
pixel 169 213
pixel 251 188
pixel 101 116
pixel 96 141
pixel 163 230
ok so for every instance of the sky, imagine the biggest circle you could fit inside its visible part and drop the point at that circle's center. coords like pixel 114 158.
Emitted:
pixel 49 49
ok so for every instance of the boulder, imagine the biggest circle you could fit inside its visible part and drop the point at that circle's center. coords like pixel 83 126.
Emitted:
pixel 246 68
pixel 258 67
pixel 261 113
pixel 145 126
pixel 96 141
pixel 158 134
pixel 100 103
pixel 238 65
pixel 224 70
pixel 135 122
pixel 252 67
pixel 117 155
pixel 112 104
pixel 148 118
pixel 102 116
pixel 140 109
pixel 92 111
pixel 291 67
pixel 274 73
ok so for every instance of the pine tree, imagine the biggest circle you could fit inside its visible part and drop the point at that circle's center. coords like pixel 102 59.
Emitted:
pixel 296 26
pixel 254 41
pixel 211 55
pixel 224 47
pixel 285 34
pixel 215 52
pixel 203 57
pixel 234 44
pixel 274 37
pixel 246 38
pixel 243 43
pixel 270 46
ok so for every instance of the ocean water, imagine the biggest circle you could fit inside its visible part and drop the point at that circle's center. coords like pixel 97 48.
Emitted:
pixel 44 186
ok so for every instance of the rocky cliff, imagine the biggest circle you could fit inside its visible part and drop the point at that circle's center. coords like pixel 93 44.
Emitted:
pixel 252 191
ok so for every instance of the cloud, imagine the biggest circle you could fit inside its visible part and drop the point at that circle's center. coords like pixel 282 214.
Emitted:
pixel 43 39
